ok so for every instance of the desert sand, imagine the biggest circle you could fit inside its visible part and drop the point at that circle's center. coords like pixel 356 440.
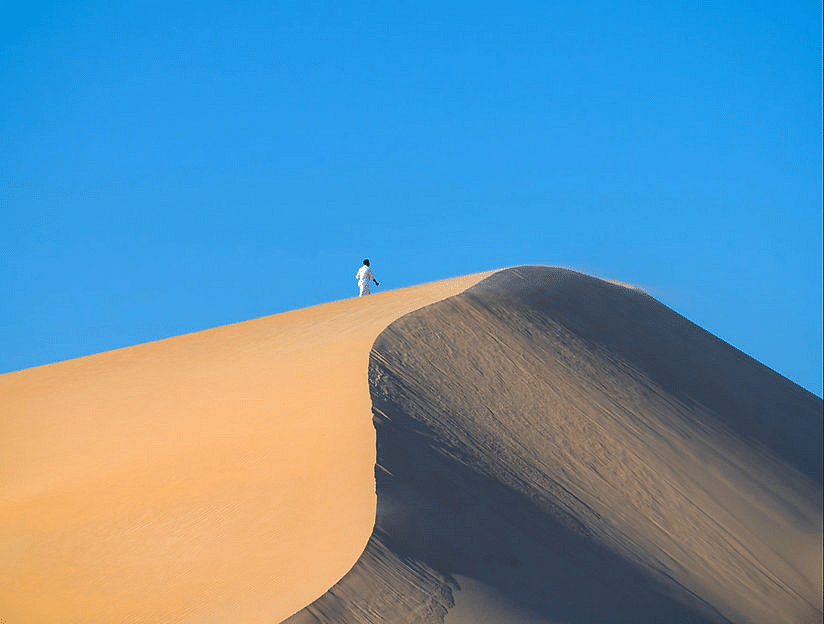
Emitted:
pixel 220 476
pixel 531 445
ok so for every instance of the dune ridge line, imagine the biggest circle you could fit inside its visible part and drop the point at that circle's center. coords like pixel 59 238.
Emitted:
pixel 223 475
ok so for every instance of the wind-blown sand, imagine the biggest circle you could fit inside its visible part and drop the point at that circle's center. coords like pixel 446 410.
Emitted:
pixel 550 448
pixel 221 476
pixel 556 448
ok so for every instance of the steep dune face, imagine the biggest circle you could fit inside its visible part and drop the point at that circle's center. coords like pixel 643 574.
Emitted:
pixel 221 476
pixel 555 448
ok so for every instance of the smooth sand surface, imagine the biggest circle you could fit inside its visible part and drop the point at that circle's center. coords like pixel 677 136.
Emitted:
pixel 221 476
pixel 556 448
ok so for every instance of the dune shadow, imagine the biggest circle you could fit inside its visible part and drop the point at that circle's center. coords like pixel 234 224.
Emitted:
pixel 436 510
pixel 494 407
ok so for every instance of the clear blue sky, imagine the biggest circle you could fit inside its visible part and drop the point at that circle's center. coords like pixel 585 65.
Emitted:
pixel 172 166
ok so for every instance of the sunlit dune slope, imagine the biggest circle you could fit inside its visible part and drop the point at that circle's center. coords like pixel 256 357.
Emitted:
pixel 221 476
pixel 555 448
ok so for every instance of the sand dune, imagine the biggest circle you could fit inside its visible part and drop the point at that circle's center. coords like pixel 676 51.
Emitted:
pixel 556 448
pixel 550 448
pixel 221 476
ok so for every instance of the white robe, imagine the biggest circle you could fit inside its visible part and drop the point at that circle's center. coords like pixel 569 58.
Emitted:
pixel 364 276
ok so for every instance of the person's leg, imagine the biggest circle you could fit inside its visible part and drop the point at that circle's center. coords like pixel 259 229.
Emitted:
pixel 364 289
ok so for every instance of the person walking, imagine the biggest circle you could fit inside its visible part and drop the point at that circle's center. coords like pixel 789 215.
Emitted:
pixel 364 276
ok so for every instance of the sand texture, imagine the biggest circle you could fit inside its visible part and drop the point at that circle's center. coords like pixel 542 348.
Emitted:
pixel 221 476
pixel 556 448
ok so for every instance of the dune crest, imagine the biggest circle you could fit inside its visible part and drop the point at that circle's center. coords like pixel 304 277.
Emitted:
pixel 572 450
pixel 220 476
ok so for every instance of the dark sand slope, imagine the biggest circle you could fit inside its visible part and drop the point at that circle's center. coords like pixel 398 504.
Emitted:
pixel 578 452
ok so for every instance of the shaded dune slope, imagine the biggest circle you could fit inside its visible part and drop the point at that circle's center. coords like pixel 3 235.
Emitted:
pixel 582 453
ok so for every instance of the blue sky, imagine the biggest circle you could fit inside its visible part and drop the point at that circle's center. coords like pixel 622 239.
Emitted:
pixel 172 166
